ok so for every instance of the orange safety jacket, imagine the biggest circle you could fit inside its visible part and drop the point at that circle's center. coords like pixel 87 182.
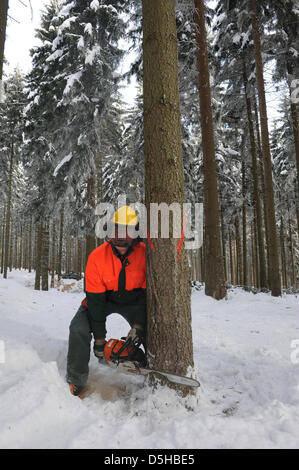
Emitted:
pixel 114 278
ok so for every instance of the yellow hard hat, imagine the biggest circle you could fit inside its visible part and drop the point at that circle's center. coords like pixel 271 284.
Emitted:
pixel 125 215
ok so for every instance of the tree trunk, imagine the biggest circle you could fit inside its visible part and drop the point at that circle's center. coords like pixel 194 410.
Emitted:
pixel 8 210
pixel 214 274
pixel 256 191
pixel 99 187
pixel 274 280
pixel 38 254
pixel 59 257
pixel 238 252
pixel 53 261
pixel 3 241
pixel 223 242
pixel 291 245
pixel 45 257
pixel 30 246
pixel 253 254
pixel 244 225
pixel 262 184
pixel 168 275
pixel 294 115
pixel 283 256
pixel 21 246
pixel 90 236
pixel 3 22
pixel 79 258
pixel 231 260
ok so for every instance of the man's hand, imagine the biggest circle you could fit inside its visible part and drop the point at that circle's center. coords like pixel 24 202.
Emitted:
pixel 98 348
pixel 136 332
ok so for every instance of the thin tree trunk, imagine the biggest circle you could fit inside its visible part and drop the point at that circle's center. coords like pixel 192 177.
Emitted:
pixel 99 187
pixel 244 225
pixel 256 192
pixel 291 246
pixel 262 181
pixel 59 257
pixel 90 236
pixel 231 261
pixel 8 209
pixel 238 252
pixel 283 256
pixel 295 123
pixel 257 263
pixel 79 258
pixel 53 260
pixel 253 255
pixel 68 255
pixel 200 265
pixel 3 23
pixel 223 242
pixel 38 254
pixel 30 246
pixel 20 257
pixel 45 257
pixel 214 273
pixel 274 280
pixel 3 241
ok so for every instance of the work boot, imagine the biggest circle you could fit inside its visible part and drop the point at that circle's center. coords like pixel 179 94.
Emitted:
pixel 76 389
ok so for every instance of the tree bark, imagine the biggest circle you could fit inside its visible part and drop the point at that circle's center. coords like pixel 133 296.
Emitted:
pixel 30 246
pixel 275 283
pixel 295 123
pixel 3 23
pixel 53 260
pixel 168 276
pixel 90 236
pixel 8 210
pixel 244 225
pixel 223 244
pixel 38 254
pixel 291 246
pixel 283 255
pixel 214 273
pixel 262 184
pixel 45 257
pixel 256 192
pixel 3 241
pixel 59 257
pixel 231 260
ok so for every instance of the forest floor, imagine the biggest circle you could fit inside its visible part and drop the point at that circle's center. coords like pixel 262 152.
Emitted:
pixel 246 358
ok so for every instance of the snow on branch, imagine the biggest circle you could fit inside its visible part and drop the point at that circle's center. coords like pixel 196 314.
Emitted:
pixel 66 159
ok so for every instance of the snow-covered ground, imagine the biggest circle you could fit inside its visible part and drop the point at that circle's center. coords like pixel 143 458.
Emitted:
pixel 246 358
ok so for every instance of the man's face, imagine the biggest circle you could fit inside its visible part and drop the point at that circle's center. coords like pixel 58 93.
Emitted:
pixel 122 239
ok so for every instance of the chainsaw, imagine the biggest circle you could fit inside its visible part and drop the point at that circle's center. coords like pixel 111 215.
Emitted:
pixel 126 356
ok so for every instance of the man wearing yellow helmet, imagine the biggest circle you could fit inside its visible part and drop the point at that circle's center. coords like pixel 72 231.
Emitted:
pixel 115 282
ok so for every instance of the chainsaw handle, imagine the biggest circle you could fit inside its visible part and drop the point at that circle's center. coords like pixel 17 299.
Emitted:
pixel 124 346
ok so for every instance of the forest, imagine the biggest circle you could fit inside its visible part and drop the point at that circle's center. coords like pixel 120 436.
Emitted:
pixel 183 104
pixel 69 140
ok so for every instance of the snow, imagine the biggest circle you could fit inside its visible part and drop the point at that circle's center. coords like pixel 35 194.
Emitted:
pixel 66 159
pixel 94 5
pixel 246 357
pixel 70 80
pixel 91 54
pixel 66 24
pixel 88 29
pixel 56 54
pixel 236 38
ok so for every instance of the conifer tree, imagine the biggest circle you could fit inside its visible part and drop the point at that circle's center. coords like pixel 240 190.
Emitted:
pixel 168 282
pixel 214 274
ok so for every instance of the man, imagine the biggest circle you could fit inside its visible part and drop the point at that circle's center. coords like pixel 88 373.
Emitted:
pixel 115 282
